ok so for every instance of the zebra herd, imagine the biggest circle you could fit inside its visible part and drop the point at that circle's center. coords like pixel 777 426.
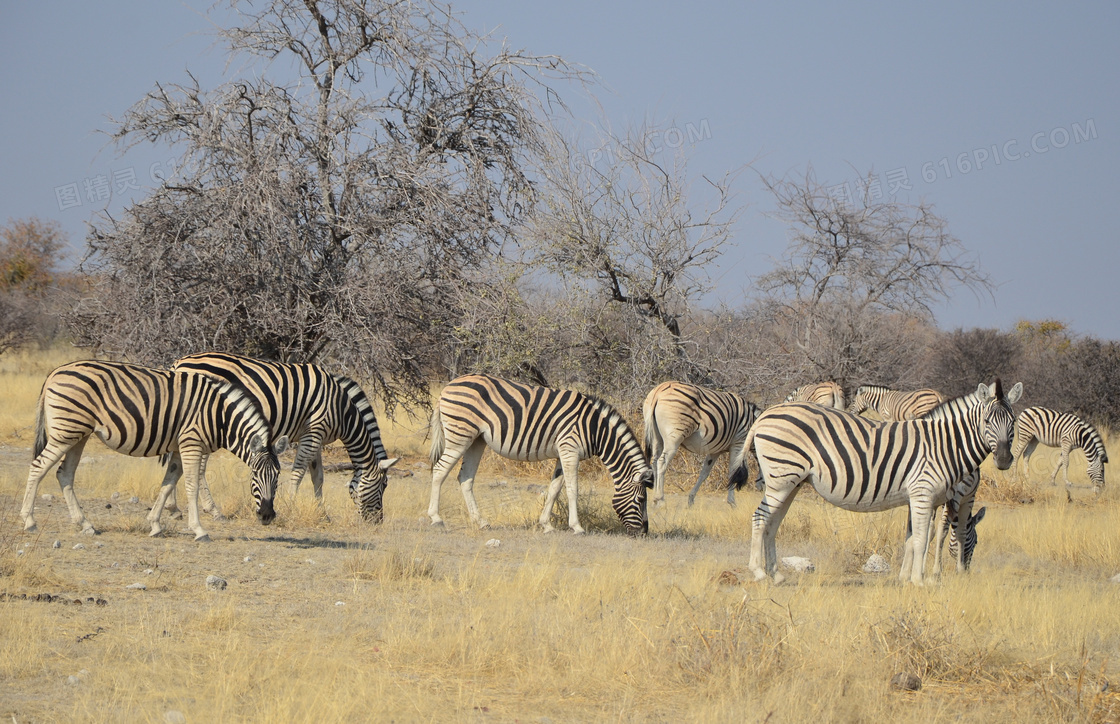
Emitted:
pixel 924 452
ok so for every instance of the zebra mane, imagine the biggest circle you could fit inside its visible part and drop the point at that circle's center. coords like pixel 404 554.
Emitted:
pixel 948 407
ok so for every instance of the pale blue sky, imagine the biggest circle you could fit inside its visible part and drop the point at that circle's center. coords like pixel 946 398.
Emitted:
pixel 927 91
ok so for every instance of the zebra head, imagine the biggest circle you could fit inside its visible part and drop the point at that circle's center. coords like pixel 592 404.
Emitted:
pixel 997 420
pixel 1097 459
pixel 859 401
pixel 630 502
pixel 367 490
pixel 262 460
pixel 968 535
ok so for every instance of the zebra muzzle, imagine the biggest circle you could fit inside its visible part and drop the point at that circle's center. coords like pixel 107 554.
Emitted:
pixel 267 513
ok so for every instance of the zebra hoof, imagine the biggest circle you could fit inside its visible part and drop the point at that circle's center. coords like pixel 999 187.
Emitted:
pixel 216 515
pixel 156 532
pixel 691 500
pixel 33 528
pixel 88 529
pixel 578 531
pixel 778 578
pixel 202 538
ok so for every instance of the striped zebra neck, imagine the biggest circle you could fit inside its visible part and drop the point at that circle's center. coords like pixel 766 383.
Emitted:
pixel 242 418
pixel 368 433
pixel 612 441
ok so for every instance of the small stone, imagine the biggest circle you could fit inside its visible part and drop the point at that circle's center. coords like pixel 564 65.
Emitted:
pixel 905 681
pixel 215 583
pixel 46 497
pixel 310 562
pixel 137 587
pixel 493 543
pixel 20 552
pixel 246 559
pixel 799 564
pixel 340 603
pixel 876 564
pixel 134 499
pixel 1116 578
pixel 79 547
pixel 56 544
pixel 174 717
pixel 149 571
pixel 73 680
pixel 108 506
pixel 99 544
pixel 115 496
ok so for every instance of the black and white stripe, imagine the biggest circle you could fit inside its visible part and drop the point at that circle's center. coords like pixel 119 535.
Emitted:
pixel 829 394
pixel 312 407
pixel 1060 429
pixel 865 466
pixel 146 412
pixel 893 405
pixel 705 422
pixel 528 423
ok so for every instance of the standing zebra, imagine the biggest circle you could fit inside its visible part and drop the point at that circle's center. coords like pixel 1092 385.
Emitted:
pixel 865 466
pixel 829 394
pixel 528 423
pixel 893 405
pixel 707 422
pixel 145 412
pixel 1064 430
pixel 313 408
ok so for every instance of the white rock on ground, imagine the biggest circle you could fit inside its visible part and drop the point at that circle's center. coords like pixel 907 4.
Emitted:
pixel 799 563
pixel 1116 578
pixel 215 583
pixel 876 564
pixel 137 587
pixel 493 543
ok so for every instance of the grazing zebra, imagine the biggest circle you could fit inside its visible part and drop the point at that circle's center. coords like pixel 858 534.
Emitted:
pixel 527 423
pixel 865 466
pixel 828 394
pixel 312 407
pixel 1064 430
pixel 706 422
pixel 145 412
pixel 893 405
pixel 960 501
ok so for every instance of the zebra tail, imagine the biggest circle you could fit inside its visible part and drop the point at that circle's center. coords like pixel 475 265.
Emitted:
pixel 437 436
pixel 40 427
pixel 648 423
pixel 741 472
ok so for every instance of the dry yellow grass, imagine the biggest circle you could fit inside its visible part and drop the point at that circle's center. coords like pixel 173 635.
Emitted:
pixel 341 621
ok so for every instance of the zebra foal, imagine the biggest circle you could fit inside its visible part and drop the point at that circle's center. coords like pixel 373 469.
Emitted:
pixel 146 412
pixel 529 423
pixel 312 407
pixel 829 394
pixel 893 405
pixel 864 465
pixel 1063 430
pixel 705 422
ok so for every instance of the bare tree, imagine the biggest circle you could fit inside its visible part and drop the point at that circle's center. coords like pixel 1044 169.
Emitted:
pixel 850 262
pixel 332 214
pixel 33 290
pixel 625 227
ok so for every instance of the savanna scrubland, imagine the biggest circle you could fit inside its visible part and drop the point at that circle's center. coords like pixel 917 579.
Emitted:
pixel 340 620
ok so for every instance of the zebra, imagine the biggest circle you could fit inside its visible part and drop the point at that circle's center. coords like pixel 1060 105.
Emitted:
pixel 865 466
pixel 829 394
pixel 949 525
pixel 1064 430
pixel 707 422
pixel 312 407
pixel 893 405
pixel 529 423
pixel 145 412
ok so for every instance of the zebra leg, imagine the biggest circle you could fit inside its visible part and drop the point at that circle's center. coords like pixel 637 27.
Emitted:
pixel 316 470
pixel 571 482
pixel 764 553
pixel 42 464
pixel 166 491
pixel 192 465
pixel 1063 460
pixel 204 497
pixel 550 497
pixel 705 470
pixel 471 459
pixel 1025 457
pixel 669 450
pixel 440 470
pixel 308 447
pixel 921 513
pixel 66 482
pixel 907 551
pixel 1066 447
pixel 943 524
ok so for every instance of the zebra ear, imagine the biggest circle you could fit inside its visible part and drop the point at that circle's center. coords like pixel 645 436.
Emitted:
pixel 979 515
pixel 386 464
pixel 256 443
pixel 1015 393
pixel 984 392
pixel 281 445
